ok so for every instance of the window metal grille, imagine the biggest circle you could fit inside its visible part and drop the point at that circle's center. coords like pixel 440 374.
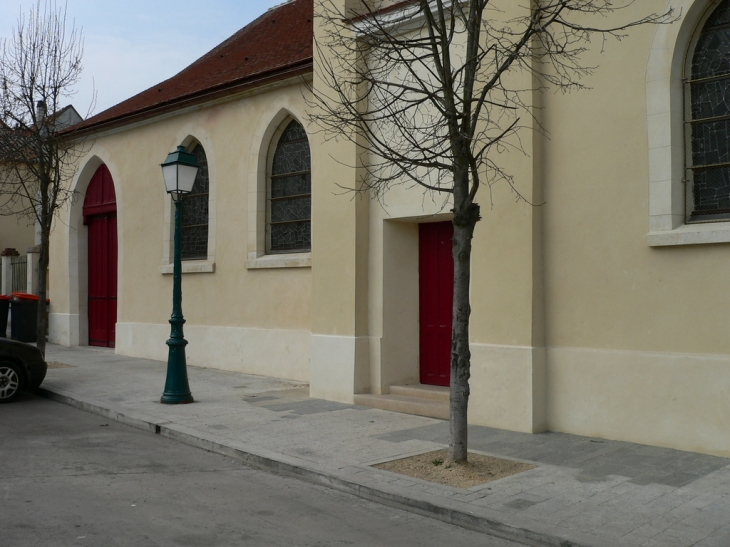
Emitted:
pixel 289 200
pixel 195 213
pixel 19 269
pixel 708 120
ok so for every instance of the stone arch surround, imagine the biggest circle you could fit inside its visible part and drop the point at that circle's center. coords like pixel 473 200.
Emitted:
pixel 270 123
pixel 665 126
pixel 70 327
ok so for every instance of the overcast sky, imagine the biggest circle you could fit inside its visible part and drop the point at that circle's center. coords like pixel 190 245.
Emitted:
pixel 131 45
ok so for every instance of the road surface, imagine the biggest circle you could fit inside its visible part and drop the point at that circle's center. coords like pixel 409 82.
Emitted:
pixel 71 478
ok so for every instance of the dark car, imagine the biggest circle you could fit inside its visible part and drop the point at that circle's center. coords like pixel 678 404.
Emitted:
pixel 21 367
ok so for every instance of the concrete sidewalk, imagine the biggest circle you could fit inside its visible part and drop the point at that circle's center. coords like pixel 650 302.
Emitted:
pixel 583 492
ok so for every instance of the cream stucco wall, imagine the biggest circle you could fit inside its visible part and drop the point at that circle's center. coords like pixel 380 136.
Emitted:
pixel 580 322
pixel 638 347
pixel 508 355
pixel 267 310
pixel 340 343
pixel 16 232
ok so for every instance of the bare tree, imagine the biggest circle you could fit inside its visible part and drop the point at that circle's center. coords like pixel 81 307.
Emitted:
pixel 426 90
pixel 39 67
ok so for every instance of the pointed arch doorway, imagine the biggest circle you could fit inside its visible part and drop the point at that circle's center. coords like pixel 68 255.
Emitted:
pixel 100 216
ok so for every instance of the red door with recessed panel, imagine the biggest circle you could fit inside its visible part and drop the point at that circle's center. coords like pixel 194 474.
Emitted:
pixel 436 278
pixel 100 216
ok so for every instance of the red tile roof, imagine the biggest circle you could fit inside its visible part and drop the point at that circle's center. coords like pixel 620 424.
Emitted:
pixel 277 45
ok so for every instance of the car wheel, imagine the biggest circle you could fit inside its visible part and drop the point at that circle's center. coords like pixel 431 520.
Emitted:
pixel 11 381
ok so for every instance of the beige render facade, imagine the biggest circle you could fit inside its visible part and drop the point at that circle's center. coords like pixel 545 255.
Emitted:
pixel 16 232
pixel 231 300
pixel 597 313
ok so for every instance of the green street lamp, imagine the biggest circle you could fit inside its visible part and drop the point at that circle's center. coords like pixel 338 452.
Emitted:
pixel 179 170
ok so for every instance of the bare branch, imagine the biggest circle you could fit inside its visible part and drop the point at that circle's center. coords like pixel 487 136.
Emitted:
pixel 427 92
pixel 40 64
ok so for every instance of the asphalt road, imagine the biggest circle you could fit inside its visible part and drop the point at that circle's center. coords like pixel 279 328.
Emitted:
pixel 68 477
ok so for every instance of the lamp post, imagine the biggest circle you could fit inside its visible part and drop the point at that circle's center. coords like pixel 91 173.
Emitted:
pixel 179 170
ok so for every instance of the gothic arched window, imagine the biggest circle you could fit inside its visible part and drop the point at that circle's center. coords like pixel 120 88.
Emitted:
pixel 195 212
pixel 708 114
pixel 289 195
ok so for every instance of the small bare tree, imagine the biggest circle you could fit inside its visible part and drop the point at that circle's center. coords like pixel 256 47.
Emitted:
pixel 426 89
pixel 39 67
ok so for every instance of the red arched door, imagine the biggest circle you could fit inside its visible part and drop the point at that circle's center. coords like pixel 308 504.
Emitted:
pixel 100 215
pixel 436 280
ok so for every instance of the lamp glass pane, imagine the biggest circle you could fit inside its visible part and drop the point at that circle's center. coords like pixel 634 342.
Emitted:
pixel 186 178
pixel 170 174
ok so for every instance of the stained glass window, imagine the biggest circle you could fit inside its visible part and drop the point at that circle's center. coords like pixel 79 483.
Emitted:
pixel 195 213
pixel 709 120
pixel 289 200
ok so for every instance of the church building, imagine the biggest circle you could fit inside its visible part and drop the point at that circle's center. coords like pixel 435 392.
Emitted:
pixel 600 310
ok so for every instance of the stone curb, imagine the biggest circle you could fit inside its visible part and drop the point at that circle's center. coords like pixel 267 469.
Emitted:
pixel 455 513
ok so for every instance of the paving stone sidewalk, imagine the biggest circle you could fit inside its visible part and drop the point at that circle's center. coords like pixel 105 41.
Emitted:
pixel 583 492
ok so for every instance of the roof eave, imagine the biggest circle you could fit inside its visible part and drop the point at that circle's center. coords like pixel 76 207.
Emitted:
pixel 291 70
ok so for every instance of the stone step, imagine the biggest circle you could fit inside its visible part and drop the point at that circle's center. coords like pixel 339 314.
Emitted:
pixel 406 405
pixel 421 391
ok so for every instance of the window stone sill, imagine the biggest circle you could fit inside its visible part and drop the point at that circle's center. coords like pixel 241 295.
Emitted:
pixel 190 266
pixel 691 234
pixel 294 260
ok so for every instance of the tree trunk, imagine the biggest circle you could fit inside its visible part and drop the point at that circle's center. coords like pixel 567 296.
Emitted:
pixel 464 224
pixel 42 282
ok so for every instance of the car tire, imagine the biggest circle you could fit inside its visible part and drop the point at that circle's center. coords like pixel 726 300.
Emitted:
pixel 12 381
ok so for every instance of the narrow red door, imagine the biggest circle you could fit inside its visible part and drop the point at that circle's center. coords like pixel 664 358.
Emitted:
pixel 100 215
pixel 436 278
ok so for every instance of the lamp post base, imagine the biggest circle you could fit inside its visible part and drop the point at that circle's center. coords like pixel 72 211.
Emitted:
pixel 176 399
pixel 177 389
